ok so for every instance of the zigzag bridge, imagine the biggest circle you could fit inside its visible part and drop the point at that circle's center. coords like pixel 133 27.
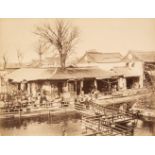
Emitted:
pixel 107 121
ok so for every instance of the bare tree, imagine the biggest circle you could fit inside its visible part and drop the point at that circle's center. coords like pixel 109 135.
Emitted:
pixel 41 48
pixel 20 57
pixel 5 61
pixel 62 36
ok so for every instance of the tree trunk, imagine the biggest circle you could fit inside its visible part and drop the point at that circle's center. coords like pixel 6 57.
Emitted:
pixel 62 60
pixel 40 59
pixel 4 65
pixel 19 62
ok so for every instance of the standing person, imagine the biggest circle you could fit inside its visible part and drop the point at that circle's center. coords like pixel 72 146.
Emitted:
pixel 55 92
pixel 52 92
pixel 82 96
pixel 38 100
pixel 88 98
pixel 95 93
pixel 114 89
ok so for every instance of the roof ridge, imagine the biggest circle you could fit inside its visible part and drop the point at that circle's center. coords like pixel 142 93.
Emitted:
pixel 142 51
pixel 104 52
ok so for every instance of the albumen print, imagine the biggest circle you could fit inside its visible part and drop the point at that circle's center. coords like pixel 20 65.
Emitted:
pixel 77 77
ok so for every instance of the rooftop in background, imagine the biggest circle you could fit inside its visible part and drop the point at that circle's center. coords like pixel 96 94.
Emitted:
pixel 53 61
pixel 93 56
pixel 46 62
pixel 10 66
pixel 144 56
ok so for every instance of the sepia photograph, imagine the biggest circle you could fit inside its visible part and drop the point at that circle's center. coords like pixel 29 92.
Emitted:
pixel 77 76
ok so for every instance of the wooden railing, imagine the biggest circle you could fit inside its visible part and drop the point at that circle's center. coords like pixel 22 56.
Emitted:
pixel 106 126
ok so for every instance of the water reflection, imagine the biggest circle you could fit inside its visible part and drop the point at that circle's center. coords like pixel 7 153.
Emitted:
pixel 42 125
pixel 145 128
pixel 46 125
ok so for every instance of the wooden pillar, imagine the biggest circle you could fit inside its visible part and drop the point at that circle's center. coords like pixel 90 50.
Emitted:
pixel 34 89
pixel 75 87
pixel 141 79
pixel 22 86
pixel 67 85
pixel 95 83
pixel 29 88
pixel 49 88
pixel 81 86
pixel 109 86
pixel 0 84
pixel 122 83
pixel 125 84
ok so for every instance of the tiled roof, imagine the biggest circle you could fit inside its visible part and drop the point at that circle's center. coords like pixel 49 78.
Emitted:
pixel 142 56
pixel 32 74
pixel 98 57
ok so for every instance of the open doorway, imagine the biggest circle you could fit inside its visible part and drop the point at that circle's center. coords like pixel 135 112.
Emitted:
pixel 106 85
pixel 132 82
pixel 88 85
pixel 102 86
pixel 60 87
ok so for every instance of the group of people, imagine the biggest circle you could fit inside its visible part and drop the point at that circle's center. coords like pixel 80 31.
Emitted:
pixel 86 99
pixel 19 101
pixel 42 99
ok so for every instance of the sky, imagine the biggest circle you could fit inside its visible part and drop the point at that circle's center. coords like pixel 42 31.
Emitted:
pixel 104 35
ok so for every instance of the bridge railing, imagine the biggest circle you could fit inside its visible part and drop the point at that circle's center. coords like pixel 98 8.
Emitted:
pixel 106 126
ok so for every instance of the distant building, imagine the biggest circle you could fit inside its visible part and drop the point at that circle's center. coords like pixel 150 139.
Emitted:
pixel 51 62
pixel 11 67
pixel 144 63
pixel 132 71
pixel 93 56
pixel 103 60
pixel 45 63
pixel 105 71
pixel 147 58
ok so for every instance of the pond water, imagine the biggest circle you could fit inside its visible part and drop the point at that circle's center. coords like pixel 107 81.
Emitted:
pixel 68 125
pixel 42 126
pixel 145 129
